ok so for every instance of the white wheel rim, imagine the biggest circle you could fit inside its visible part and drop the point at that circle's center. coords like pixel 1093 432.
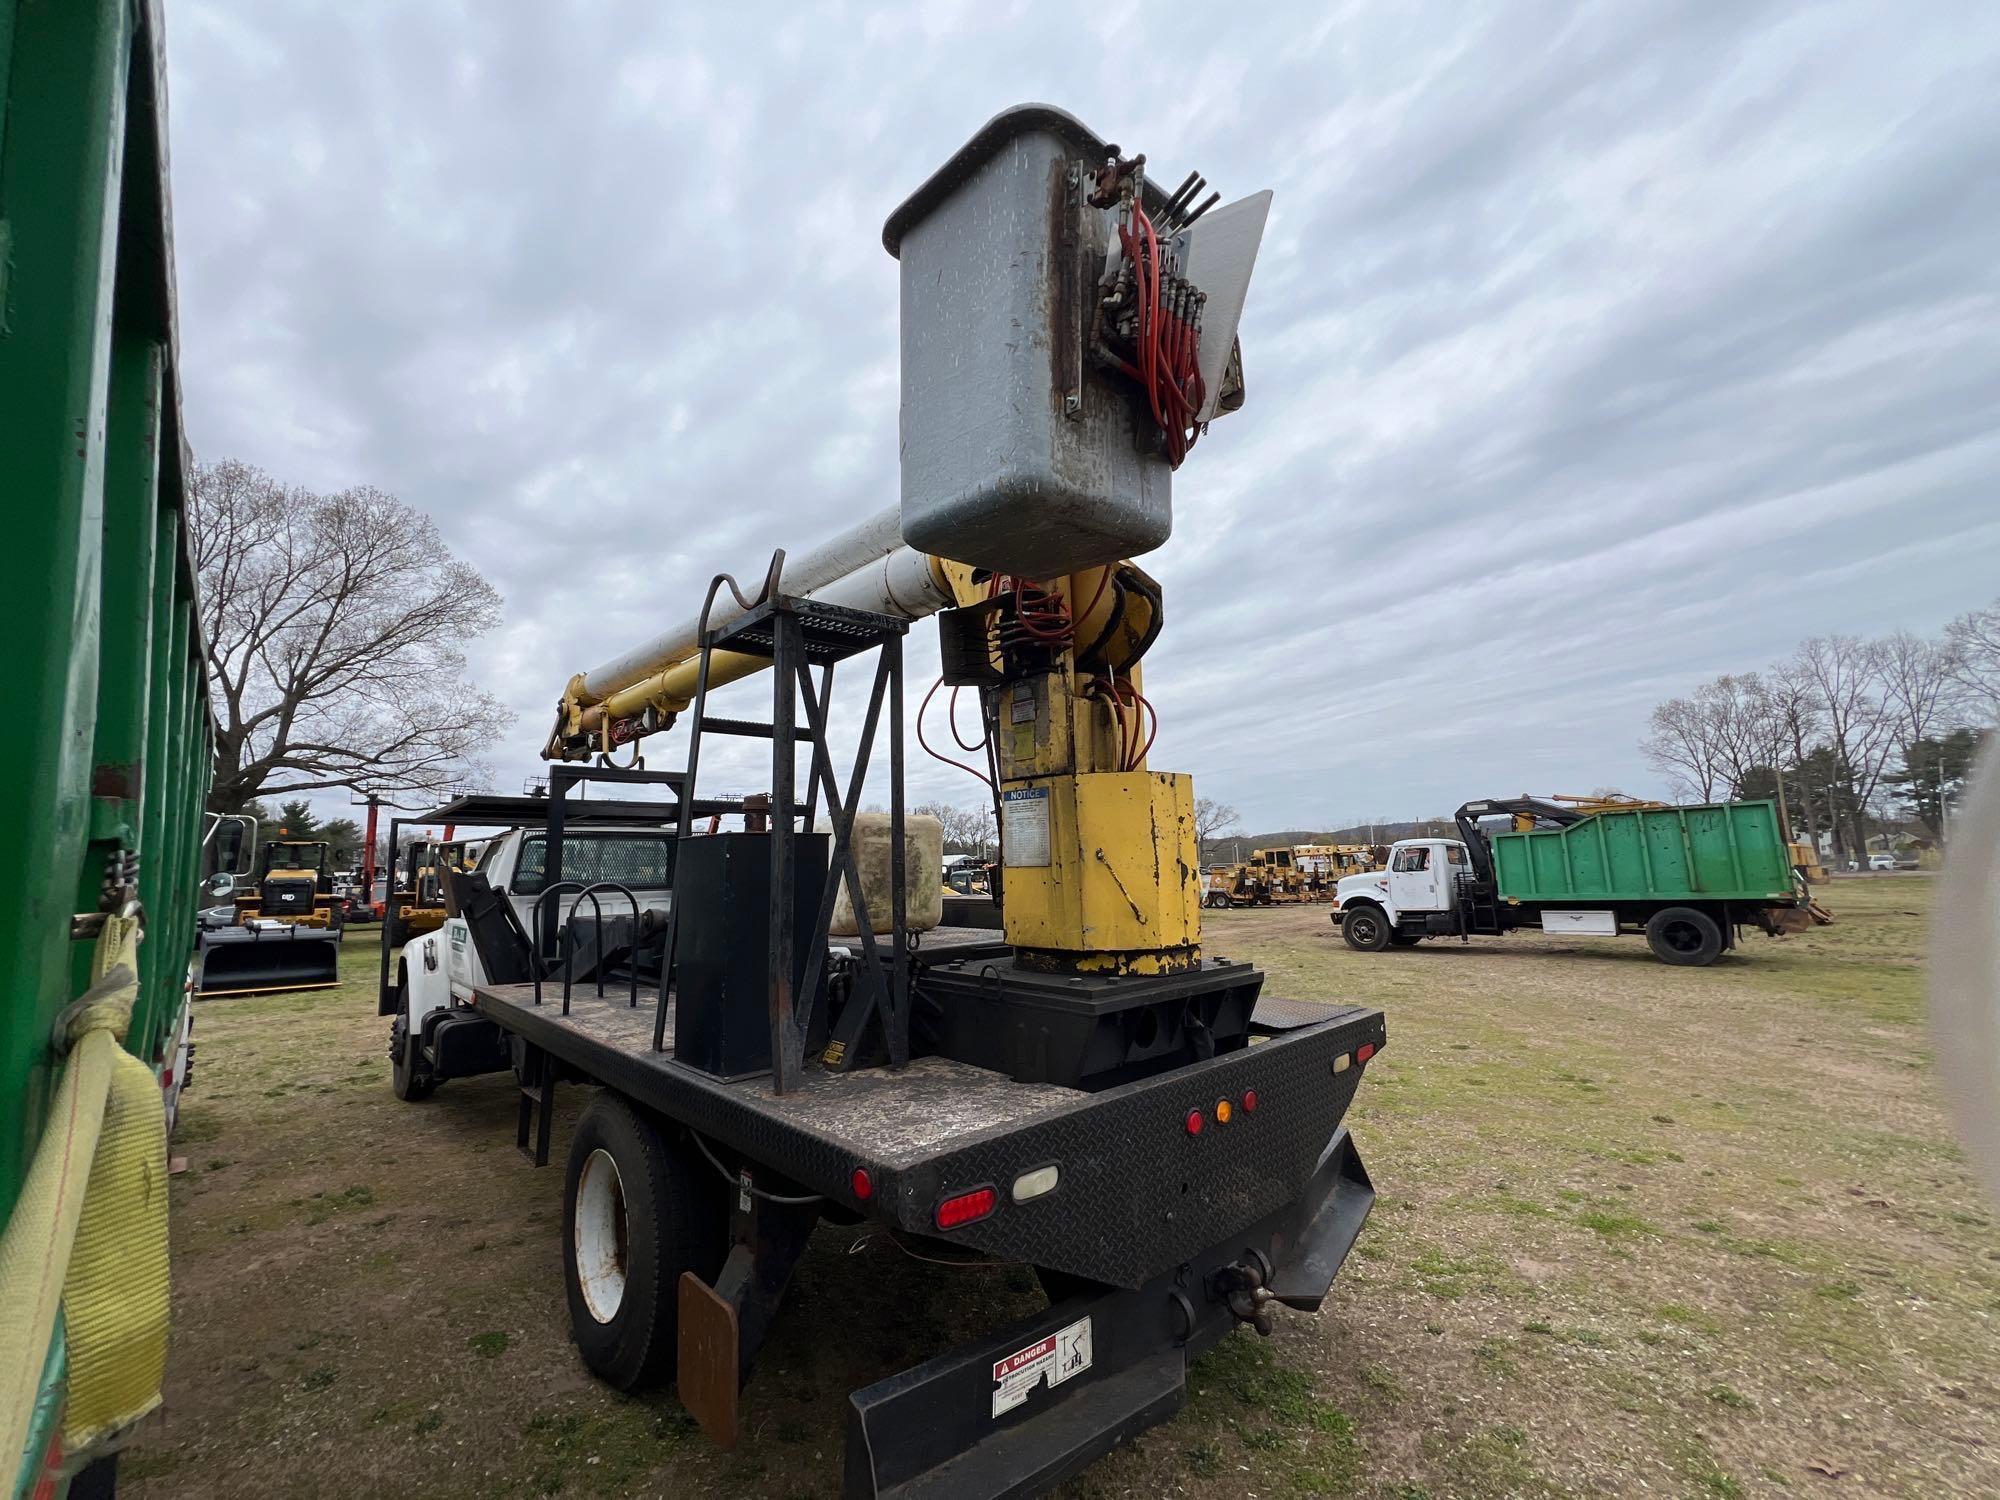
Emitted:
pixel 600 1236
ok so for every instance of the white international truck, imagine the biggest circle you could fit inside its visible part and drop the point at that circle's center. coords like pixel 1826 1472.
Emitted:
pixel 1688 878
pixel 427 1042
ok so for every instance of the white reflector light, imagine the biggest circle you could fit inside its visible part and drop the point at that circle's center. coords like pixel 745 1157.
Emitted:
pixel 1034 1184
pixel 1342 1062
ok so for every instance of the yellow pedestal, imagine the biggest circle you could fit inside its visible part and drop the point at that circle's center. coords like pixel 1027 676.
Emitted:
pixel 1102 874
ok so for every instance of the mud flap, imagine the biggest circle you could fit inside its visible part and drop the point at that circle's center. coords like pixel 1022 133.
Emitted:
pixel 708 1361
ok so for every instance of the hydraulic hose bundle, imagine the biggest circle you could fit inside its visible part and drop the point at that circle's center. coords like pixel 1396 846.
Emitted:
pixel 1150 316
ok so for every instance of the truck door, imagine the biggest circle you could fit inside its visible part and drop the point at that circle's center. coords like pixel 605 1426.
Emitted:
pixel 1414 879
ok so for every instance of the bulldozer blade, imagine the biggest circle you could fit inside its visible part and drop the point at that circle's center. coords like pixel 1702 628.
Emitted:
pixel 258 961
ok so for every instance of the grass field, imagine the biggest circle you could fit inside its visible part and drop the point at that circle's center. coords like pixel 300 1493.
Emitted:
pixel 1642 1231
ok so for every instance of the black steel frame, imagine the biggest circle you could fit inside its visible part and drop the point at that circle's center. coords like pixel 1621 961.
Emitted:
pixel 796 635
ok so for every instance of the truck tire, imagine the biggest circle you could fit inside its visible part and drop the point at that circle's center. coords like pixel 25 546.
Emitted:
pixel 638 1210
pixel 1366 929
pixel 409 1074
pixel 1684 935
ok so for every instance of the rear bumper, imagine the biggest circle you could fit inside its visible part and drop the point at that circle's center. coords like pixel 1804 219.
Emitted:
pixel 1017 1412
pixel 1139 1193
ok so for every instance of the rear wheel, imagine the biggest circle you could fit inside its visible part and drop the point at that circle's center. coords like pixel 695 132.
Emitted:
pixel 1685 936
pixel 1366 929
pixel 409 1074
pixel 637 1212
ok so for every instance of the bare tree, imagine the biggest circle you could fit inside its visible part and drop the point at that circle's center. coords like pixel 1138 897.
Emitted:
pixel 967 829
pixel 1212 819
pixel 1846 675
pixel 334 625
pixel 1683 745
pixel 1743 721
pixel 1974 642
pixel 1917 681
pixel 1796 719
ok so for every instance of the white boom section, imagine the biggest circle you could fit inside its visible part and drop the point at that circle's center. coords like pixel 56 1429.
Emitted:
pixel 809 574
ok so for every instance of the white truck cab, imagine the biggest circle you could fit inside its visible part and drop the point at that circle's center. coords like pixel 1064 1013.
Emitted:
pixel 442 966
pixel 1421 877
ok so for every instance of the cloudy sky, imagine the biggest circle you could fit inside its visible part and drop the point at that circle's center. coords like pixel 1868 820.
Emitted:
pixel 1589 354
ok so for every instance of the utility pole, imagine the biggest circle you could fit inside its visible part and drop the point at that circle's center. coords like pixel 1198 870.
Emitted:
pixel 368 847
pixel 1944 838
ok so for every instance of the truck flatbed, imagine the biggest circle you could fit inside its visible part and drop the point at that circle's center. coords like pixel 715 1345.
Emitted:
pixel 890 1120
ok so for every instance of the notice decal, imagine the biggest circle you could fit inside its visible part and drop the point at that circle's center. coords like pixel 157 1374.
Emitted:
pixel 1050 1360
pixel 1024 828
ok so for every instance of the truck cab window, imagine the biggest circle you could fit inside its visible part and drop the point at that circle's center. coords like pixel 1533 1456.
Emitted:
pixel 1454 854
pixel 1413 859
pixel 638 861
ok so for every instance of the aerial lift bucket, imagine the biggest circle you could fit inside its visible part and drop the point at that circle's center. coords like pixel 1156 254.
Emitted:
pixel 260 959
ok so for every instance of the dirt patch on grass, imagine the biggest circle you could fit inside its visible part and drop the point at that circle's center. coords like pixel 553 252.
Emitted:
pixel 1642 1231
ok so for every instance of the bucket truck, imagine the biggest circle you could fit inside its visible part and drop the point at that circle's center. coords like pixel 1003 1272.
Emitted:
pixel 1078 1091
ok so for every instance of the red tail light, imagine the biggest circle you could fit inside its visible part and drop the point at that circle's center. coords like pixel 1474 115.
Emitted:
pixel 1365 1051
pixel 966 1208
pixel 863 1184
pixel 1249 1100
pixel 1195 1121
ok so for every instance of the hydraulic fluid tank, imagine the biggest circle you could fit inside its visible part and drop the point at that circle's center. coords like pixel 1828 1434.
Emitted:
pixel 1018 453
pixel 923 875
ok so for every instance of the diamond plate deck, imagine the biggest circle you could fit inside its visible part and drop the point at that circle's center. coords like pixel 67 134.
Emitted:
pixel 871 1114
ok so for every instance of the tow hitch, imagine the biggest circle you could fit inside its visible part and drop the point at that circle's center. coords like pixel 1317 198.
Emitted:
pixel 1243 1288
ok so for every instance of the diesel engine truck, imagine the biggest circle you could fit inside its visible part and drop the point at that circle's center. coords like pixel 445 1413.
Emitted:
pixel 1686 877
pixel 1084 1090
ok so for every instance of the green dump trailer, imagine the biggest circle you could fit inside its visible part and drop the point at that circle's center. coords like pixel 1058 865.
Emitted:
pixel 1688 878
pixel 106 764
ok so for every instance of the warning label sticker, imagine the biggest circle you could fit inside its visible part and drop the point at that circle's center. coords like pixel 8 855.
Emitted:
pixel 1050 1360
pixel 1024 827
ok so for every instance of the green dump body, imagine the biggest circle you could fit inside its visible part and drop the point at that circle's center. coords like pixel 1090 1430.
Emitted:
pixel 1714 851
pixel 106 761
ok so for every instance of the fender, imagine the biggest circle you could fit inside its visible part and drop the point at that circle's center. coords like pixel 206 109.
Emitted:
pixel 1365 890
pixel 1354 902
pixel 425 978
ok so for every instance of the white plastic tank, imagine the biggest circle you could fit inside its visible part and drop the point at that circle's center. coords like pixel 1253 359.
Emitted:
pixel 923 875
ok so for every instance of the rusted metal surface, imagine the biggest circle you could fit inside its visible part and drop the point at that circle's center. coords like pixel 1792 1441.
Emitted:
pixel 1014 457
pixel 707 1363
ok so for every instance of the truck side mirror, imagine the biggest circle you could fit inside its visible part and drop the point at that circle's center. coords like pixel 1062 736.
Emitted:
pixel 235 844
pixel 219 885
pixel 228 843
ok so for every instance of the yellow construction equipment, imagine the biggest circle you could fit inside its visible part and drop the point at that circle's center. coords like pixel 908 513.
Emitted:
pixel 1322 866
pixel 419 899
pixel 294 884
pixel 284 931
